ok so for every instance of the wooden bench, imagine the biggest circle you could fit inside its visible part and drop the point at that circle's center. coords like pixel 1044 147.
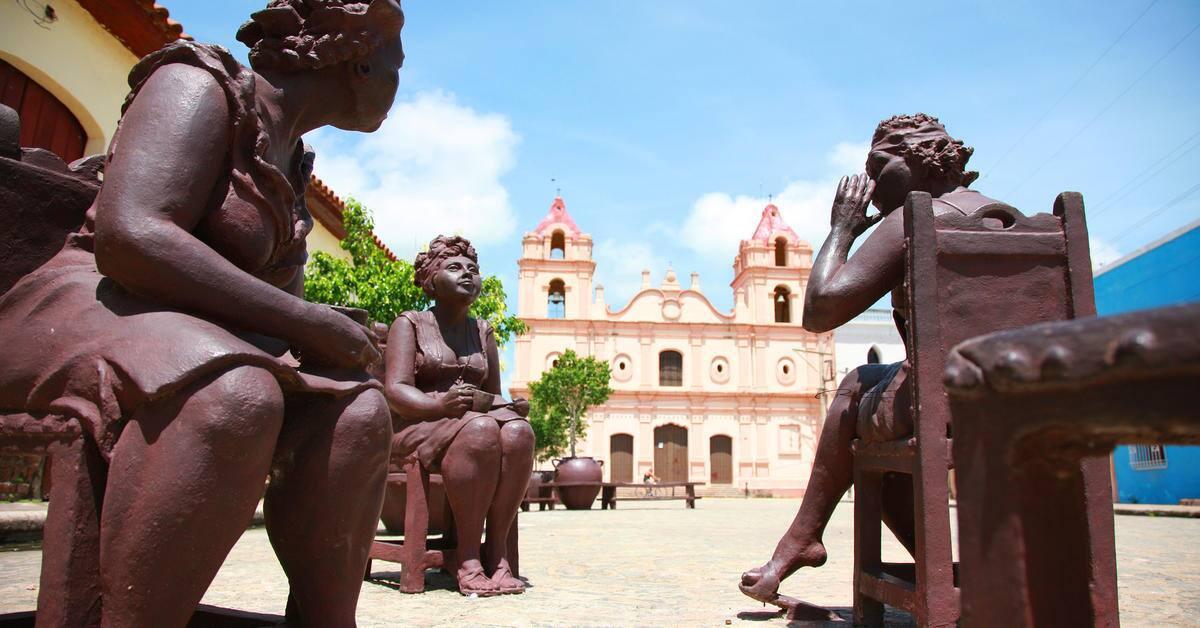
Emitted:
pixel 608 493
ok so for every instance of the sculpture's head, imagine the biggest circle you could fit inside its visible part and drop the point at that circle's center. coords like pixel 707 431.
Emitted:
pixel 449 270
pixel 915 153
pixel 353 44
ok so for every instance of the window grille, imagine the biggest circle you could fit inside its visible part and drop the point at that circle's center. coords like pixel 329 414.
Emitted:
pixel 1147 457
pixel 670 368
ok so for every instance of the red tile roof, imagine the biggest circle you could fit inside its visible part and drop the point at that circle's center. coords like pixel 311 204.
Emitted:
pixel 558 215
pixel 327 207
pixel 772 222
pixel 142 25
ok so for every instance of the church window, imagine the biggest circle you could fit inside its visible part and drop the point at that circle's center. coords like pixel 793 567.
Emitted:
pixel 783 305
pixel 781 251
pixel 558 245
pixel 873 356
pixel 670 368
pixel 556 302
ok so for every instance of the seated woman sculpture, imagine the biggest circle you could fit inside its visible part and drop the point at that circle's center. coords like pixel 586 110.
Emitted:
pixel 164 325
pixel 908 153
pixel 443 384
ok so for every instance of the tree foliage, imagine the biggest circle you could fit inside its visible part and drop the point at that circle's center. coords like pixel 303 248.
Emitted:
pixel 561 397
pixel 384 287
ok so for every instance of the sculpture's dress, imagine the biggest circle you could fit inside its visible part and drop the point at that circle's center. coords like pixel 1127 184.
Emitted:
pixel 78 344
pixel 437 369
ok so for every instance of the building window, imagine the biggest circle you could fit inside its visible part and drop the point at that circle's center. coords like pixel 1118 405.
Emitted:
pixel 670 368
pixel 558 245
pixel 1147 457
pixel 783 305
pixel 873 356
pixel 556 302
pixel 781 251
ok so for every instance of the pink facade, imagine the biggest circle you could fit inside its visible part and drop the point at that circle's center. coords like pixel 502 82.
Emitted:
pixel 734 399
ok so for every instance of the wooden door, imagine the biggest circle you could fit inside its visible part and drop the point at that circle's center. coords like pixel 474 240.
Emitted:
pixel 671 453
pixel 621 457
pixel 45 121
pixel 720 459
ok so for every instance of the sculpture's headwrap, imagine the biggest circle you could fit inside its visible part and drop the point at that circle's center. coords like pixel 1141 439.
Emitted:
pixel 441 248
pixel 922 138
pixel 311 34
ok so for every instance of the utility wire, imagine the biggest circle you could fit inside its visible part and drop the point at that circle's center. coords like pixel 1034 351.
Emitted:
pixel 1140 179
pixel 1103 111
pixel 1168 205
pixel 1070 89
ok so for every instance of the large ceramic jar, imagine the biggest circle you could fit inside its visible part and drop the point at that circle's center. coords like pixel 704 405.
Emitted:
pixel 584 470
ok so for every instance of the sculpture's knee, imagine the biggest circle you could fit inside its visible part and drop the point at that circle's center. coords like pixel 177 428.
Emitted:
pixel 240 405
pixel 480 437
pixel 364 428
pixel 517 438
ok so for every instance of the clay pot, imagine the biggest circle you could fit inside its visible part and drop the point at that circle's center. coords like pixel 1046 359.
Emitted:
pixel 580 469
pixel 395 498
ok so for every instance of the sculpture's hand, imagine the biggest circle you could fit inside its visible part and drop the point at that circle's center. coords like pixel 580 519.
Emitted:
pixel 456 401
pixel 850 205
pixel 520 405
pixel 344 344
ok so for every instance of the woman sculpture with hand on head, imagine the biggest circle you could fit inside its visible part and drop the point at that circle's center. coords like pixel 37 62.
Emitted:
pixel 909 153
pixel 443 384
pixel 164 326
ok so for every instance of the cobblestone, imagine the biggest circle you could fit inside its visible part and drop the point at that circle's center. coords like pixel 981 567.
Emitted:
pixel 660 564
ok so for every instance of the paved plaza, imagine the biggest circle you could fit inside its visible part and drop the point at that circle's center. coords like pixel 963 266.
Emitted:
pixel 660 564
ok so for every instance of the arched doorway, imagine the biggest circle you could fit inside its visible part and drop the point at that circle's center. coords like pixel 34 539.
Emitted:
pixel 620 447
pixel 671 453
pixel 45 120
pixel 720 459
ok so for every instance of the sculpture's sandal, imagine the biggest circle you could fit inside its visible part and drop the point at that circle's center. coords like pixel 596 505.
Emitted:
pixel 506 581
pixel 475 582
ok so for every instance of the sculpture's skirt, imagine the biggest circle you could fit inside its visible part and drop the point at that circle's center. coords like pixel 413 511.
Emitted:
pixel 76 344
pixel 428 440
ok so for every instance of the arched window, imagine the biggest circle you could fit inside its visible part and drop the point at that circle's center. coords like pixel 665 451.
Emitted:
pixel 558 245
pixel 556 302
pixel 670 368
pixel 783 304
pixel 781 251
pixel 873 356
pixel 45 120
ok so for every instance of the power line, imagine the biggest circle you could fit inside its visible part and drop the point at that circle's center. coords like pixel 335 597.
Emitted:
pixel 1103 111
pixel 1140 179
pixel 1070 89
pixel 1168 205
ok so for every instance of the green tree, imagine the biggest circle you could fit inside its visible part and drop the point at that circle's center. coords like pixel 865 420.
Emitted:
pixel 384 287
pixel 561 397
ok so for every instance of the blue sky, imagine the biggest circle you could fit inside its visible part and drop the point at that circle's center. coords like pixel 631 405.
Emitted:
pixel 667 123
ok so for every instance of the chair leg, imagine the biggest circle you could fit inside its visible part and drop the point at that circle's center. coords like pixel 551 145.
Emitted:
pixel 69 593
pixel 868 515
pixel 514 549
pixel 416 529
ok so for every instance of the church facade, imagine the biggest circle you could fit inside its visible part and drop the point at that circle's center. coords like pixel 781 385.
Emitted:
pixel 733 399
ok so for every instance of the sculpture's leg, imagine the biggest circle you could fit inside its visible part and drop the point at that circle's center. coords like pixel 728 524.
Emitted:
pixel 832 475
pixel 516 465
pixel 182 485
pixel 323 503
pixel 470 472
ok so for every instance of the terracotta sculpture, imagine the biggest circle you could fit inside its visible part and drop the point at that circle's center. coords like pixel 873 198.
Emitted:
pixel 443 384
pixel 908 153
pixel 163 326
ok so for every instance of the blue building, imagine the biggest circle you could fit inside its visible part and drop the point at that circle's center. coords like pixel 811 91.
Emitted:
pixel 1165 272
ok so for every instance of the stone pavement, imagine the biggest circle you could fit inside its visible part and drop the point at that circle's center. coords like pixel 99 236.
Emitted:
pixel 661 564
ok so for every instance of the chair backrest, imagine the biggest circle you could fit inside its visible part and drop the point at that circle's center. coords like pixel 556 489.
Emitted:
pixel 991 270
pixel 42 200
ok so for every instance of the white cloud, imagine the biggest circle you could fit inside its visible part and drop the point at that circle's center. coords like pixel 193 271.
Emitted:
pixel 718 221
pixel 1103 253
pixel 434 167
pixel 619 267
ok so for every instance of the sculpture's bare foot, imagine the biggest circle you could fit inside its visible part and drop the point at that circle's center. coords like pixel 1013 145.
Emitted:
pixel 473 581
pixel 762 583
pixel 505 580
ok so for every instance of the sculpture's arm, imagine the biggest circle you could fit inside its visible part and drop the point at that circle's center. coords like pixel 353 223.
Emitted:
pixel 839 288
pixel 174 140
pixel 400 383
